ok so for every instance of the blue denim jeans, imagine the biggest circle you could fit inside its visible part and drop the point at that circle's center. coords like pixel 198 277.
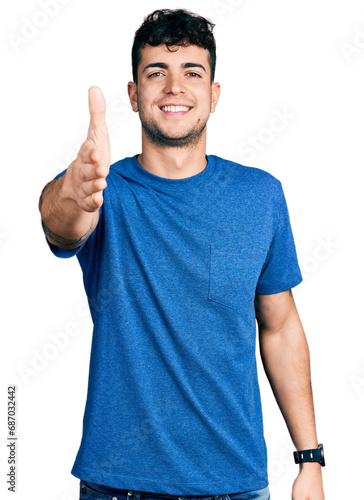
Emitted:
pixel 92 491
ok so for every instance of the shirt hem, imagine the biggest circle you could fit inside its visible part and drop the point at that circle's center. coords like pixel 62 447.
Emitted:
pixel 271 288
pixel 141 484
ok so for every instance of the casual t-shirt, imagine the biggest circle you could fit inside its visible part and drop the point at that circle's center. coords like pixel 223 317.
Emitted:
pixel 171 272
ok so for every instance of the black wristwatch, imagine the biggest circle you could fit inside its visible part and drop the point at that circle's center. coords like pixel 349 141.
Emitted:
pixel 316 455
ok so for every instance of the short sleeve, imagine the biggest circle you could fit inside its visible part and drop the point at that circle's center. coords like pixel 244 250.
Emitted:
pixel 62 252
pixel 280 271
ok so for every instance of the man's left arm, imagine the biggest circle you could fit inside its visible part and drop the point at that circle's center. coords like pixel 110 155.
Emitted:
pixel 286 360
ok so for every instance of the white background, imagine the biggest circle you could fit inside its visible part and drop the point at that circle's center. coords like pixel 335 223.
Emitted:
pixel 304 59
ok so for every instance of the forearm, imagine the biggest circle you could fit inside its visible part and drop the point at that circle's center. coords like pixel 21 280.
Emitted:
pixel 286 361
pixel 64 223
pixel 69 205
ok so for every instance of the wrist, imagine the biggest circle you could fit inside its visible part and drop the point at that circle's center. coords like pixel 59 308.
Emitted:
pixel 310 456
pixel 313 467
pixel 307 444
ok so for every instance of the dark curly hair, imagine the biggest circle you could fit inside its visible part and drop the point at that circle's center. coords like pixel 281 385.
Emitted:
pixel 174 28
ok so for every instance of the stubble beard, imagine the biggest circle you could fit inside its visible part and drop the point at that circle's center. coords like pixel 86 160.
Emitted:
pixel 158 138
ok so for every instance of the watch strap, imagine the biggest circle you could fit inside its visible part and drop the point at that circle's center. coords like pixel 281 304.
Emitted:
pixel 307 456
pixel 315 455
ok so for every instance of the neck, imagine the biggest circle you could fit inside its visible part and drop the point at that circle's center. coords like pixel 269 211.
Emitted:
pixel 173 163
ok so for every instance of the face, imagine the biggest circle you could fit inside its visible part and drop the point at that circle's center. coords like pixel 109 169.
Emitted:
pixel 174 95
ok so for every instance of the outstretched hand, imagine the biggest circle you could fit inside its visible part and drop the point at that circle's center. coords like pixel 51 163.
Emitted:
pixel 85 178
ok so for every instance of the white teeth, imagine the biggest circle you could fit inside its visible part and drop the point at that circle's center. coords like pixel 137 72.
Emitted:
pixel 175 109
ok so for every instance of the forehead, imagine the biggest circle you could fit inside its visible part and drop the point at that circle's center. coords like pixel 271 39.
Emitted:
pixel 175 55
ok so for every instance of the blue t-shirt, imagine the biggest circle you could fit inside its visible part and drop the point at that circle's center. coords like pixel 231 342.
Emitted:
pixel 171 271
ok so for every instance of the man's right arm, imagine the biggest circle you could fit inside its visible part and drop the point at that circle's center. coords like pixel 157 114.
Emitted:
pixel 69 205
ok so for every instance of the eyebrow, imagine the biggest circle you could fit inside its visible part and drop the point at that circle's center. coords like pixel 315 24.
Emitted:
pixel 183 66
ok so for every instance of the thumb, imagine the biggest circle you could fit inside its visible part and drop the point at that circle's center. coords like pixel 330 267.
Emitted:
pixel 97 107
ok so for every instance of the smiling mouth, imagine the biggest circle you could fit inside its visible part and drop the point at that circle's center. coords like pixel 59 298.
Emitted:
pixel 173 110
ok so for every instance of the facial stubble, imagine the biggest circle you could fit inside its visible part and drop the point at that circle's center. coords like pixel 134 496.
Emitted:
pixel 157 137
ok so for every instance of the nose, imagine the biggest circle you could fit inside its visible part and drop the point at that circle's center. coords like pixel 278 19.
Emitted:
pixel 173 85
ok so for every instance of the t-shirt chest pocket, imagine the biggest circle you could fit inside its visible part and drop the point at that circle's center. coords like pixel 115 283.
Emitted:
pixel 234 273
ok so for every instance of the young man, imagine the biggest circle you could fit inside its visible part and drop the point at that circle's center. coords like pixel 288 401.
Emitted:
pixel 181 253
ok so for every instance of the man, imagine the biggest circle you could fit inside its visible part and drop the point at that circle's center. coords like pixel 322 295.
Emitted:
pixel 181 254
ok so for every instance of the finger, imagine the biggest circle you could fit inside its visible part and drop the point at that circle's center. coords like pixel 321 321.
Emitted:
pixel 94 186
pixel 89 153
pixel 93 202
pixel 89 172
pixel 97 198
pixel 97 108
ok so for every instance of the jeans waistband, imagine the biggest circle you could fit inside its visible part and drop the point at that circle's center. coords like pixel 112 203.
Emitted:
pixel 115 494
pixel 144 495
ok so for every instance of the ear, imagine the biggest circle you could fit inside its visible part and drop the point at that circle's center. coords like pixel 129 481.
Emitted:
pixel 215 94
pixel 132 91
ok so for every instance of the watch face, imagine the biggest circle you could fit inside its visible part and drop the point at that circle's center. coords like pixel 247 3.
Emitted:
pixel 322 462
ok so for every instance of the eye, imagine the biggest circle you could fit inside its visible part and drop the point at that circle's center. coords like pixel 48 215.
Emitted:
pixel 194 75
pixel 155 74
